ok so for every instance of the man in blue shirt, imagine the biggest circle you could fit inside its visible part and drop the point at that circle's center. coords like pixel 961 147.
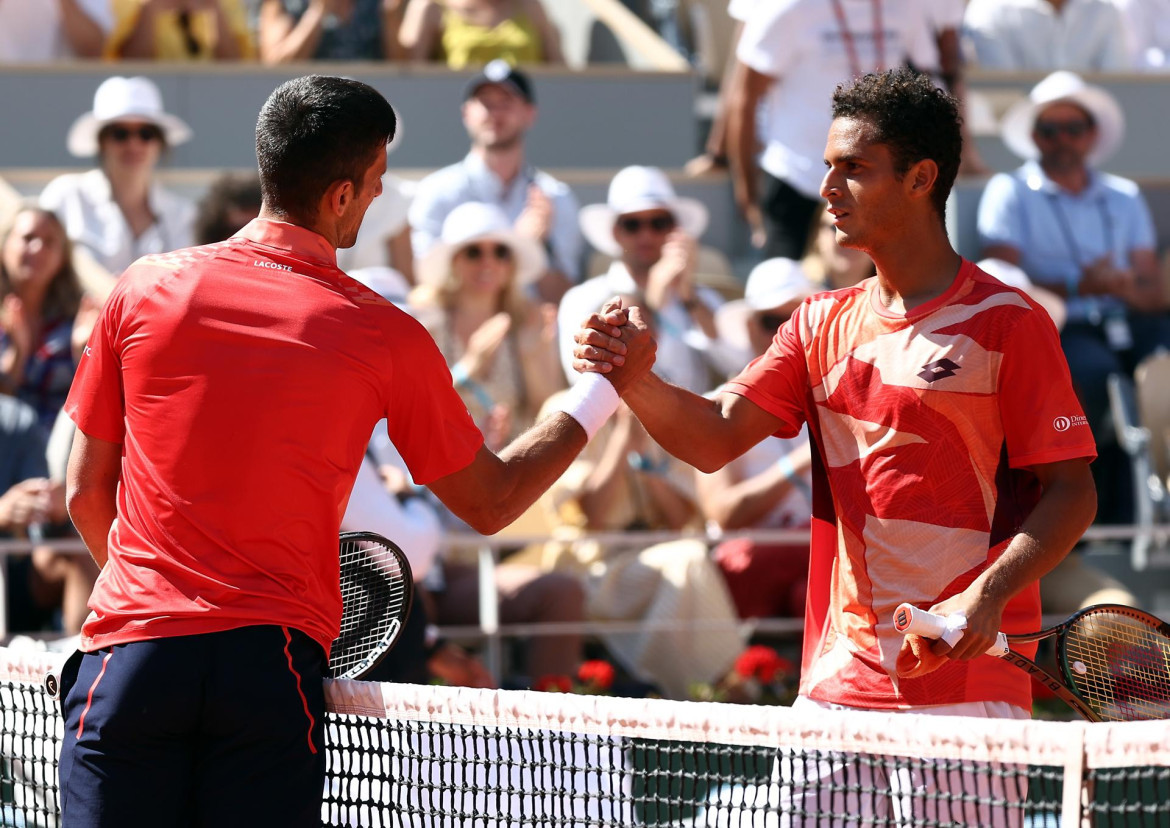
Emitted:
pixel 1089 237
pixel 499 108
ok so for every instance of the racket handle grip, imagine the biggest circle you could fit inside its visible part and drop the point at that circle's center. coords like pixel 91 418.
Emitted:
pixel 910 620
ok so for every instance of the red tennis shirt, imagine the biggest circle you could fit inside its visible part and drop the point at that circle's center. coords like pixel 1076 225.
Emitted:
pixel 243 380
pixel 927 425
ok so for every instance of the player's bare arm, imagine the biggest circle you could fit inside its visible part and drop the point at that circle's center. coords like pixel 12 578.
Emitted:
pixel 91 488
pixel 494 490
pixel 1063 513
pixel 704 433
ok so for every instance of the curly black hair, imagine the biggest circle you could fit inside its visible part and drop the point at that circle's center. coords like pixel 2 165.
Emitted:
pixel 914 118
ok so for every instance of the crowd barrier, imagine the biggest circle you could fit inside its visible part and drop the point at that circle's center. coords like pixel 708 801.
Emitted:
pixel 492 633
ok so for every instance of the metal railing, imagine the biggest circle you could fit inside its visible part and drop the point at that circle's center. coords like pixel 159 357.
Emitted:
pixel 492 633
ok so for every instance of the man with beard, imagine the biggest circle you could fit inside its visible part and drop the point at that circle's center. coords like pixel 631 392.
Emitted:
pixel 1087 236
pixel 499 107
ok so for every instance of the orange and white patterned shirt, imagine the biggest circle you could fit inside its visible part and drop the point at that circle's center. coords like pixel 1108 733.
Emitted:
pixel 926 425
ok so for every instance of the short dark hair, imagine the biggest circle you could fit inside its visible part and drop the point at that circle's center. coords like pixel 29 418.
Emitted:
pixel 914 118
pixel 316 130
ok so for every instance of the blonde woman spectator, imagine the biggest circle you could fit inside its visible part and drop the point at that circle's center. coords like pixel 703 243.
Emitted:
pixel 34 31
pixel 500 346
pixel 291 30
pixel 118 212
pixel 39 298
pixel 465 33
pixel 180 30
pixel 1046 35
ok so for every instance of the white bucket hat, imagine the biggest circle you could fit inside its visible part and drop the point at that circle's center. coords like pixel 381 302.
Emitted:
pixel 118 99
pixel 1013 276
pixel 473 222
pixel 771 284
pixel 1062 86
pixel 633 190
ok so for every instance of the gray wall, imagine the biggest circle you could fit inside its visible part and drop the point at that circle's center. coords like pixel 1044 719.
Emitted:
pixel 604 118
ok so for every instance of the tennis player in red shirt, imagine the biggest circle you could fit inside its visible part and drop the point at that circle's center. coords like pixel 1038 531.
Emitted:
pixel 952 457
pixel 223 405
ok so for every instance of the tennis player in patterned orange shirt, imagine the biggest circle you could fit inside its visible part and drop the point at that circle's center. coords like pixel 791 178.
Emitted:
pixel 952 462
pixel 952 457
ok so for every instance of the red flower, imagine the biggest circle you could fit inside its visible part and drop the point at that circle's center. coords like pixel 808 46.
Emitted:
pixel 554 684
pixel 596 674
pixel 762 664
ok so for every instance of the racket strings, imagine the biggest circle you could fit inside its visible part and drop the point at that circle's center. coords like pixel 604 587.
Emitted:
pixel 1120 664
pixel 374 594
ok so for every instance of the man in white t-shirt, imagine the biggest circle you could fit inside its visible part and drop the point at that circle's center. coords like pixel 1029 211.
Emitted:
pixel 792 55
pixel 1047 35
pixel 34 31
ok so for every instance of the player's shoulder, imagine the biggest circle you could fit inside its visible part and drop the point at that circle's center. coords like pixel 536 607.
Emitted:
pixel 395 323
pixel 181 259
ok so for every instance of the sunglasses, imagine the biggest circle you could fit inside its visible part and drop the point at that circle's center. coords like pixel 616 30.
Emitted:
pixel 771 322
pixel 1051 129
pixel 145 133
pixel 659 224
pixel 475 252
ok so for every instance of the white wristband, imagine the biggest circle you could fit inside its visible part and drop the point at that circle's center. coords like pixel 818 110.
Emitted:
pixel 590 402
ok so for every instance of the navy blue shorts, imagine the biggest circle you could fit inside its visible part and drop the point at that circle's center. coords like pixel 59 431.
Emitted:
pixel 219 729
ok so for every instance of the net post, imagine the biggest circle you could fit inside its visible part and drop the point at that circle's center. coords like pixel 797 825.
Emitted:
pixel 1074 798
pixel 489 609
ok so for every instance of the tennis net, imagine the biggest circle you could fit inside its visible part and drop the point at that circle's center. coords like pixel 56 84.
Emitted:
pixel 405 755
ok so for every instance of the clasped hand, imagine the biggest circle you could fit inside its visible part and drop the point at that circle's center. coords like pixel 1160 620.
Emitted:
pixel 615 341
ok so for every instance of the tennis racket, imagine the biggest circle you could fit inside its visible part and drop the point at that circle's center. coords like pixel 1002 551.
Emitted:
pixel 1114 660
pixel 376 593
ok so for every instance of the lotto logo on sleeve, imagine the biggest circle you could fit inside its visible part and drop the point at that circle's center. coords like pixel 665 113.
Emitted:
pixel 1065 423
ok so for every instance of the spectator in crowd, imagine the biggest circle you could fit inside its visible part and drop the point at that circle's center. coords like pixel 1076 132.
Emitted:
pixel 652 233
pixel 36 31
pixel 1147 30
pixel 793 55
pixel 31 504
pixel 500 345
pixel 229 203
pixel 466 33
pixel 944 23
pixel 769 486
pixel 39 298
pixel 1046 35
pixel 1087 236
pixel 713 158
pixel 292 30
pixel 828 264
pixel 181 30
pixel 624 482
pixel 118 212
pixel 941 21
pixel 499 108
pixel 1073 584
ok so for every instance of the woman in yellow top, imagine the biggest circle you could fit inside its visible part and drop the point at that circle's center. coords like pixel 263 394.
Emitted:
pixel 180 30
pixel 467 33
